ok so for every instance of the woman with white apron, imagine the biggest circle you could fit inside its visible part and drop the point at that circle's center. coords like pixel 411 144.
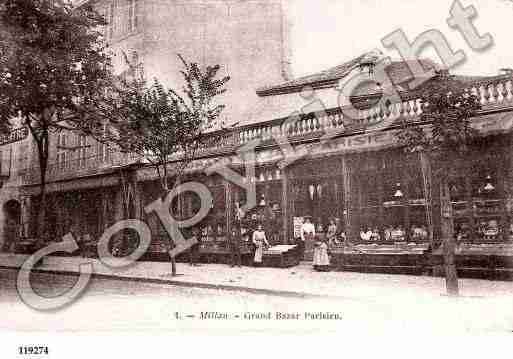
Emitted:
pixel 260 240
pixel 321 259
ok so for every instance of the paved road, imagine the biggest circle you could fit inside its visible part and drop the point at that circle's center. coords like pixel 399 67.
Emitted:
pixel 122 305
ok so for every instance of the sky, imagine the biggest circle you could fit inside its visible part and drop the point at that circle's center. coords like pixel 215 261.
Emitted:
pixel 326 33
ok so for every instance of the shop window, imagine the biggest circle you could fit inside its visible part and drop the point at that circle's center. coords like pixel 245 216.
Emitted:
pixel 419 229
pixel 391 197
pixel 457 189
pixel 478 203
pixel 415 180
pixel 370 189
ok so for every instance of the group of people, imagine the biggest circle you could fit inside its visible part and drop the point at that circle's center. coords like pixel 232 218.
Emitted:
pixel 321 251
pixel 257 239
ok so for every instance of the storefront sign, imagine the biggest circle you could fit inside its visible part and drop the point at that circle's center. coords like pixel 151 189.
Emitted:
pixel 363 141
pixel 297 223
pixel 502 122
pixel 15 135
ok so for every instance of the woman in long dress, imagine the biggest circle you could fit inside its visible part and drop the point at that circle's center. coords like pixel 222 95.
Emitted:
pixel 321 259
pixel 260 240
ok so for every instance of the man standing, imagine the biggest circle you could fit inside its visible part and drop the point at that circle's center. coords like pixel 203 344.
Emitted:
pixel 235 245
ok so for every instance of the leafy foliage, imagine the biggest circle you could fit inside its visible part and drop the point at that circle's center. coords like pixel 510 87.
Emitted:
pixel 159 123
pixel 52 62
pixel 51 56
pixel 447 108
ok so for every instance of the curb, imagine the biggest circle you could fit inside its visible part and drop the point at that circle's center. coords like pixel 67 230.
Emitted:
pixel 188 284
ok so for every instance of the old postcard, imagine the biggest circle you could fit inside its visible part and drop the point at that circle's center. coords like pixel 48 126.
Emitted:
pixel 255 166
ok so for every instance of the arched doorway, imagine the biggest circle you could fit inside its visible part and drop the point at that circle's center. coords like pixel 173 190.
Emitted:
pixel 12 222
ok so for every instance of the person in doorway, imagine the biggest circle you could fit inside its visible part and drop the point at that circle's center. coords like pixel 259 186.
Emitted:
pixel 307 234
pixel 260 242
pixel 235 239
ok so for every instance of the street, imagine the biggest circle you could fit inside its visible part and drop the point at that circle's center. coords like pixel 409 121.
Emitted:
pixel 124 305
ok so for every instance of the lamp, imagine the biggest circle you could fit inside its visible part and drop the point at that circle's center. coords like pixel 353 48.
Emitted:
pixel 262 177
pixel 398 193
pixel 262 201
pixel 311 189
pixel 489 186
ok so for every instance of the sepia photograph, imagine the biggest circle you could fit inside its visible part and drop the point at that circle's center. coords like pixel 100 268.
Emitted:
pixel 282 167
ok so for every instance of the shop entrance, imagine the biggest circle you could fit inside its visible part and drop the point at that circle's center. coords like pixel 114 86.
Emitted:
pixel 317 190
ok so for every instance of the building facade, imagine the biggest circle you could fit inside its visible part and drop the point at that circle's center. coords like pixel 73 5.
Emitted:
pixel 360 176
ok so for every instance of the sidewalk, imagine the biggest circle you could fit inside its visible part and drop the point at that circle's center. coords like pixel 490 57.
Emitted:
pixel 296 281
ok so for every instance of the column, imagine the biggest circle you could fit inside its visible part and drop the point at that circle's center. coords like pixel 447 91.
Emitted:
pixel 25 217
pixel 346 184
pixel 285 198
pixel 136 192
pixel 119 211
pixel 228 206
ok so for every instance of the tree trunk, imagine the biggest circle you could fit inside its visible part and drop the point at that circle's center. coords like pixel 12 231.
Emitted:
pixel 165 185
pixel 42 144
pixel 448 243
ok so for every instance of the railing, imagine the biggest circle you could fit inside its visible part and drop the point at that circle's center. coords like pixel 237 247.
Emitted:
pixel 78 167
pixel 493 93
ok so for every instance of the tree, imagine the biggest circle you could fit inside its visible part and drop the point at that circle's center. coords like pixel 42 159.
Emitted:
pixel 443 134
pixel 52 60
pixel 161 125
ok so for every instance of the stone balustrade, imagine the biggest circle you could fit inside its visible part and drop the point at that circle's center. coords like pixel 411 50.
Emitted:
pixel 493 94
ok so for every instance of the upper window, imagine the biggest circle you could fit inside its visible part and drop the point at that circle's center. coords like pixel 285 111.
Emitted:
pixel 61 149
pixel 82 150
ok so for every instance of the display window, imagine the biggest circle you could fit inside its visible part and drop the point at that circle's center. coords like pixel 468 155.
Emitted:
pixel 390 202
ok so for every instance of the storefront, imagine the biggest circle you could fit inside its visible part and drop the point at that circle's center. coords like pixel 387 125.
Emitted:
pixel 316 189
pixel 478 191
pixel 388 201
pixel 389 196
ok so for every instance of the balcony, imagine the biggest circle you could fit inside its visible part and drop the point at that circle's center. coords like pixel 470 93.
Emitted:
pixel 495 94
pixel 79 167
